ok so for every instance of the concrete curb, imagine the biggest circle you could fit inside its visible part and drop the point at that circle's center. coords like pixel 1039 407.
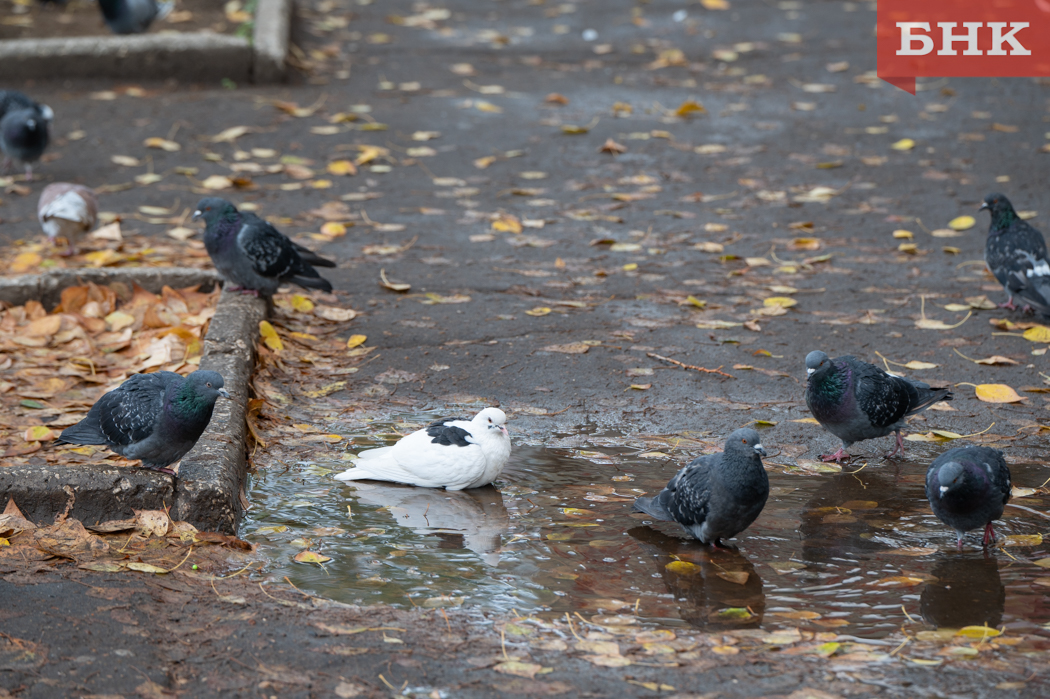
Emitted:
pixel 192 56
pixel 47 287
pixel 210 485
pixel 208 490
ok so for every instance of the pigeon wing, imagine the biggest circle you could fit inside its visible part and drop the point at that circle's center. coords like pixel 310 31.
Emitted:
pixel 884 399
pixel 688 495
pixel 129 414
pixel 270 252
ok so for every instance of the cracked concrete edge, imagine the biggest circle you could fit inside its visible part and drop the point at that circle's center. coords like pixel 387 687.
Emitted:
pixel 47 287
pixel 190 56
pixel 211 480
pixel 211 477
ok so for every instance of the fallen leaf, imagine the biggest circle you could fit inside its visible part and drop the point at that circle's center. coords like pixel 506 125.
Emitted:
pixel 270 337
pixel 311 557
pixel 1037 333
pixel 689 107
pixel 997 393
pixel 519 669
pixel 393 286
pixel 903 144
pixel 355 341
pixel 570 348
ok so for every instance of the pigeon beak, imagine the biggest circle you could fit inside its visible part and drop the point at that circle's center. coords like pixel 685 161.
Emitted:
pixel 46 112
pixel 504 430
pixel 809 371
pixel 759 449
pixel 224 393
pixel 944 489
pixel 196 215
pixel 983 206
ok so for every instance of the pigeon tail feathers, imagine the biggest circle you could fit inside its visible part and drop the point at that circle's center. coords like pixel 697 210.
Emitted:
pixel 653 507
pixel 927 396
pixel 382 468
pixel 83 433
pixel 312 283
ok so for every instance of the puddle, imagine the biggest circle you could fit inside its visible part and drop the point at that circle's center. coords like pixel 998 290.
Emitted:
pixel 851 553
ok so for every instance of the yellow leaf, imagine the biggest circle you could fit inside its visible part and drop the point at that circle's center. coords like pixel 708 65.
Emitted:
pixel 962 223
pixel 715 4
pixel 901 233
pixel 903 144
pixel 538 311
pixel 333 229
pixel 484 106
pixel 25 261
pixel 689 107
pixel 356 340
pixel 694 301
pixel 641 386
pixel 269 336
pixel 978 632
pixel 920 365
pixel 38 433
pixel 145 567
pixel 507 224
pixel 1038 333
pixel 781 301
pixel 217 182
pixel 683 567
pixel 1024 540
pixel 342 167
pixel 1043 562
pixel 163 144
pixel 302 304
pixel 574 129
pixel 908 248
pixel 482 163
pixel 311 557
pixel 630 267
pixel 807 421
pixel 997 393
pixel 575 512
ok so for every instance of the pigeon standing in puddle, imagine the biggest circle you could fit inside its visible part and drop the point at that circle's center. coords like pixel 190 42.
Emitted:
pixel 854 400
pixel 968 487
pixel 716 496
pixel 453 453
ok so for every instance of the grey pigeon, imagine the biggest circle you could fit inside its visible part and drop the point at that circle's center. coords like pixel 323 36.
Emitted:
pixel 24 129
pixel 968 487
pixel 252 255
pixel 855 400
pixel 1015 253
pixel 133 16
pixel 154 417
pixel 718 495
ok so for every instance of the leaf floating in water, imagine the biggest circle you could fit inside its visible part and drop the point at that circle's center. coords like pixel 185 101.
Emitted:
pixel 898 581
pixel 783 567
pixel 981 632
pixel 311 557
pixel 683 567
pixel 913 551
pixel 734 613
pixel 1023 540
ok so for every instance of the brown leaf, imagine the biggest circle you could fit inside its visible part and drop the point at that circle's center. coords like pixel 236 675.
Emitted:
pixel 611 146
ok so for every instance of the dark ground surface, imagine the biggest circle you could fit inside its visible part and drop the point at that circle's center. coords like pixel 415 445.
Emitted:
pixel 771 137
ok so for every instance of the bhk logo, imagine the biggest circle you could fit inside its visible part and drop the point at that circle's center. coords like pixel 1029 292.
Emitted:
pixel 962 38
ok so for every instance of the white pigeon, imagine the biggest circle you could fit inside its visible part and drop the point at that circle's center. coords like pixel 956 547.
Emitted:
pixel 66 211
pixel 454 454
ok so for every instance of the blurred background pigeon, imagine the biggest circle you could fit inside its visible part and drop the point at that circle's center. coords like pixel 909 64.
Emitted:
pixel 252 255
pixel 133 16
pixel 718 495
pixel 968 487
pixel 24 130
pixel 66 211
pixel 1015 253
pixel 154 417
pixel 854 400
pixel 454 454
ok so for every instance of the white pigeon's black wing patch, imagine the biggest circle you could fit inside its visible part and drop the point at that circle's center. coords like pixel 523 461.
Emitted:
pixel 449 435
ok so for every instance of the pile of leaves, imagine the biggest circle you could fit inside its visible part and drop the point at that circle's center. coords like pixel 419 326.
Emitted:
pixel 107 247
pixel 54 366
pixel 150 542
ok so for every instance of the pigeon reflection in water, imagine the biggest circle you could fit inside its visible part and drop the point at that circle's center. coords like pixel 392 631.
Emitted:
pixel 724 580
pixel 474 519
pixel 967 592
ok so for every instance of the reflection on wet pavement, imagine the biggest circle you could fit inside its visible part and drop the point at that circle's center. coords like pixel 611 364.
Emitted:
pixel 858 553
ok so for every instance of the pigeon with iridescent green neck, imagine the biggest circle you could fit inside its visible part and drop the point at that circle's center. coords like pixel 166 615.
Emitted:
pixel 855 400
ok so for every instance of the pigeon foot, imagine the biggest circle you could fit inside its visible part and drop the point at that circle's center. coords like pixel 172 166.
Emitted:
pixel 989 534
pixel 250 292
pixel 958 542
pixel 1009 304
pixel 899 449
pixel 837 456
pixel 232 287
pixel 29 172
